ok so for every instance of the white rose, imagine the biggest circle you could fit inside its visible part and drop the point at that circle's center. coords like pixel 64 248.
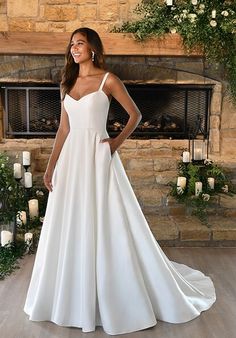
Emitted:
pixel 202 6
pixel 225 13
pixel 200 11
pixel 205 197
pixel 225 188
pixel 213 23
pixel 173 30
pixel 192 17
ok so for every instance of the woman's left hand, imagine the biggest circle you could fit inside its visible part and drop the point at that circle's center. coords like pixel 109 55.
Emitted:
pixel 112 143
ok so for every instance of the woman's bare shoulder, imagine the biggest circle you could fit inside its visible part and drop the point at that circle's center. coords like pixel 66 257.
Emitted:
pixel 113 80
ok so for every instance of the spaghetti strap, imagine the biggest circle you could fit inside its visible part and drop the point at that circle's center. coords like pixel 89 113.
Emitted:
pixel 103 81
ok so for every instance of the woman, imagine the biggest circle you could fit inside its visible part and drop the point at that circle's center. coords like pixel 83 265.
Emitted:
pixel 97 261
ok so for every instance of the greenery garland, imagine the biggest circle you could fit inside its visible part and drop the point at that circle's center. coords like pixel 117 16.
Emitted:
pixel 209 25
pixel 208 198
pixel 14 198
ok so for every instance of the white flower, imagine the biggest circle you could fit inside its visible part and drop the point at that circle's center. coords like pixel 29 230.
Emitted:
pixel 184 14
pixel 10 188
pixel 173 30
pixel 192 17
pixel 200 11
pixel 41 219
pixel 205 197
pixel 225 188
pixel 225 13
pixel 180 191
pixel 3 165
pixel 39 193
pixel 213 23
pixel 202 6
pixel 173 8
pixel 207 161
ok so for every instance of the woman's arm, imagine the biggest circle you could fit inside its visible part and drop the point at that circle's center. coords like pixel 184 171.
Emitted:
pixel 60 138
pixel 114 86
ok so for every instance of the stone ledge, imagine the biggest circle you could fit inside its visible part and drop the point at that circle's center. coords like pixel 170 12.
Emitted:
pixel 189 231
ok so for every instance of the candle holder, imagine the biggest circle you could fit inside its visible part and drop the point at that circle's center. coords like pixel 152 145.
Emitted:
pixel 199 142
pixel 26 167
pixel 17 179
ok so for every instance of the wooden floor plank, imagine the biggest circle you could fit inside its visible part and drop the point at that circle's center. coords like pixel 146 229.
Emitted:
pixel 218 322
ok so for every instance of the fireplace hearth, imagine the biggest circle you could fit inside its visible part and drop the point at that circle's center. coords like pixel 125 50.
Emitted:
pixel 168 111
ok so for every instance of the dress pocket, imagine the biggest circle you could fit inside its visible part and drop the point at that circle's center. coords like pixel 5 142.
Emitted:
pixel 108 149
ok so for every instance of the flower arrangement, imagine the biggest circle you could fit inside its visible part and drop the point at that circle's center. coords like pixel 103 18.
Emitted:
pixel 199 185
pixel 209 25
pixel 14 197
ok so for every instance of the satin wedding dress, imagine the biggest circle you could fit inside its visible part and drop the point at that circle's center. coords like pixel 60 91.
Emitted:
pixel 97 262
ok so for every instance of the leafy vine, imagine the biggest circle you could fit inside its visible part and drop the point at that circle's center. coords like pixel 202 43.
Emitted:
pixel 209 25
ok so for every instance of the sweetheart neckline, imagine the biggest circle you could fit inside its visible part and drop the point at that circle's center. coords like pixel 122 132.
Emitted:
pixel 94 92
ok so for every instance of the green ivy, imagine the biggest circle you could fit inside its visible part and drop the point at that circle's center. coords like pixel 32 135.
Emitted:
pixel 216 37
pixel 199 173
pixel 9 255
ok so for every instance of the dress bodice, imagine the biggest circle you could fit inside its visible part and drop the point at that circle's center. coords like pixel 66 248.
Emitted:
pixel 90 111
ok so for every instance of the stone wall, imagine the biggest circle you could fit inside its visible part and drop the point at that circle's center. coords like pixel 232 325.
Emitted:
pixel 139 69
pixel 63 15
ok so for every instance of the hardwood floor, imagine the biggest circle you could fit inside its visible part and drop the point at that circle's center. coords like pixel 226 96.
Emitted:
pixel 218 322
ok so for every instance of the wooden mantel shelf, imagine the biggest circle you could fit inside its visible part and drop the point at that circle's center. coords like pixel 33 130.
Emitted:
pixel 40 43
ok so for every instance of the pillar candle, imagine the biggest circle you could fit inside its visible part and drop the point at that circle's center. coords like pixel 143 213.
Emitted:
pixel 33 208
pixel 186 156
pixel 17 170
pixel 181 182
pixel 26 158
pixel 211 182
pixel 198 188
pixel 6 237
pixel 169 2
pixel 28 180
pixel 21 217
pixel 213 14
pixel 28 237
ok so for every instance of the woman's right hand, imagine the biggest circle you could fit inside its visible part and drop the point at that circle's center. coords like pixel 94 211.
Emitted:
pixel 47 178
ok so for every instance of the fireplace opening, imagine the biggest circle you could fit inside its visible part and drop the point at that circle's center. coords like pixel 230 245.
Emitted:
pixel 168 111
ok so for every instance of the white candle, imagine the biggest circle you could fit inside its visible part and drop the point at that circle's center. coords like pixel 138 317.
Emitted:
pixel 186 156
pixel 197 154
pixel 198 188
pixel 28 180
pixel 21 217
pixel 211 182
pixel 29 237
pixel 181 182
pixel 169 2
pixel 17 170
pixel 26 158
pixel 213 14
pixel 33 208
pixel 6 237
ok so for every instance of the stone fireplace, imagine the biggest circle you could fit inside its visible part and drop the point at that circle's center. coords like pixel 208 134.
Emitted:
pixel 168 111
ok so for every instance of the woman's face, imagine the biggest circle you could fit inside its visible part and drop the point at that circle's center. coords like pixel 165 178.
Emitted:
pixel 80 50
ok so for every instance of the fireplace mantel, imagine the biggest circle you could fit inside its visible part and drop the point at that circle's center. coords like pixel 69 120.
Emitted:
pixel 40 43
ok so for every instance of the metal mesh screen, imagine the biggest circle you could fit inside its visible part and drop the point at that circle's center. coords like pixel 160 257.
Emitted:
pixel 31 111
pixel 168 111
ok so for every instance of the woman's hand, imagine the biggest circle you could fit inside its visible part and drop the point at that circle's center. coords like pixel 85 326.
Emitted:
pixel 112 143
pixel 47 178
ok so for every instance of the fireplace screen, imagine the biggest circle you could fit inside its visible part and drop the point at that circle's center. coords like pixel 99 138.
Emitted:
pixel 169 111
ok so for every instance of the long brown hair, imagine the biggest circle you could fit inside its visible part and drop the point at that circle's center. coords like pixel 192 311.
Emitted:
pixel 70 71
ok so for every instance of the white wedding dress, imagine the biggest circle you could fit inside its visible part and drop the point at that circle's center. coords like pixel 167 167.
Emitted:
pixel 97 262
